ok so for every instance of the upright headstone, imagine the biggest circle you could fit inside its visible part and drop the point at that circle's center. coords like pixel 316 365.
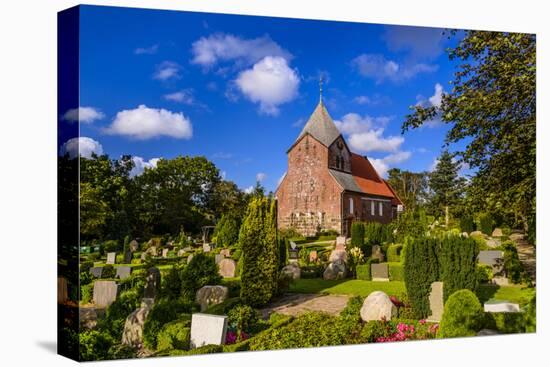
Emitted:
pixel 189 258
pixel 134 246
pixel 165 252
pixel 218 258
pixel 497 233
pixel 335 270
pixel 62 290
pixel 379 272
pixel 152 283
pixel 340 242
pixel 181 252
pixel 207 329
pixel 123 272
pixel 97 271
pixel 492 258
pixel 313 257
pixel 211 295
pixel 206 247
pixel 227 268
pixel 293 255
pixel 377 253
pixel 105 292
pixel 436 302
pixel 111 258
pixel 128 257
pixel 225 252
pixel 292 270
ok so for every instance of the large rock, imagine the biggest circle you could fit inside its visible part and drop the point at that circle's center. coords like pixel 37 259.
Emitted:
pixel 133 327
pixel 227 268
pixel 293 270
pixel 477 233
pixel 497 232
pixel 338 255
pixel 335 270
pixel 211 295
pixel 378 306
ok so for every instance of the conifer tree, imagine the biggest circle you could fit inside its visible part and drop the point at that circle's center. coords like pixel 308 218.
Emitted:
pixel 446 185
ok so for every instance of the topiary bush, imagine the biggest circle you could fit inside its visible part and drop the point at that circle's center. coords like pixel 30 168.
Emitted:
pixel 175 335
pixel 458 264
pixel 202 270
pixel 243 318
pixel 462 315
pixel 396 271
pixel 163 312
pixel 486 224
pixel 358 234
pixel 421 269
pixel 393 253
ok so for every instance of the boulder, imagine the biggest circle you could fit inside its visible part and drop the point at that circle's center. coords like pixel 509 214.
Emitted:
pixel 227 268
pixel 293 270
pixel 338 255
pixel 465 234
pixel 378 306
pixel 493 242
pixel 225 252
pixel 335 270
pixel 133 245
pixel 497 232
pixel 211 295
pixel 517 236
pixel 477 233
pixel 133 327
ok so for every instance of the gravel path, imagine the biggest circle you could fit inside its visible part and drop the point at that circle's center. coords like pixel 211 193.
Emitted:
pixel 296 304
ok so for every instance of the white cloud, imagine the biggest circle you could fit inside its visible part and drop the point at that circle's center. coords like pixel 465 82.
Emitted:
pixel 249 190
pixel 261 176
pixel 382 165
pixel 353 123
pixel 141 165
pixel 373 140
pixel 83 145
pixel 146 50
pixel 167 70
pixel 207 51
pixel 184 96
pixel 145 123
pixel 222 155
pixel 377 67
pixel 270 82
pixel 83 114
pixel 362 100
pixel 433 101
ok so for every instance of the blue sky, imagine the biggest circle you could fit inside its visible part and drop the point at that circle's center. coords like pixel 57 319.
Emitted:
pixel 238 89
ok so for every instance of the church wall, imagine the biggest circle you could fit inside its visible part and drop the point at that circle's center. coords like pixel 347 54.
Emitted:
pixel 339 156
pixel 308 197
pixel 361 209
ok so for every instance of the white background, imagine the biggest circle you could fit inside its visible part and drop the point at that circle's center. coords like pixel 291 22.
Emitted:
pixel 28 180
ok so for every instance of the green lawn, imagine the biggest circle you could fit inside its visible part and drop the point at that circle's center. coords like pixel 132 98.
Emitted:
pixel 513 293
pixel 354 287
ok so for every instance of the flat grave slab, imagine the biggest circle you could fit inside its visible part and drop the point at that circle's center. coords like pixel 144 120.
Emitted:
pixel 207 329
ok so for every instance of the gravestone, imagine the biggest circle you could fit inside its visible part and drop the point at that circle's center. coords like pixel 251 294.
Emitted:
pixel 165 252
pixel 293 255
pixel 341 243
pixel 123 272
pixel 436 302
pixel 189 258
pixel 477 233
pixel 128 257
pixel 218 258
pixel 62 290
pixel 211 295
pixel 153 251
pixel 335 270
pixel 187 249
pixel 293 245
pixel 500 306
pixel 338 255
pixel 492 258
pixel 152 283
pixel 133 246
pixel 206 247
pixel 105 292
pixel 497 233
pixel 133 327
pixel 225 252
pixel 97 271
pixel 227 268
pixel 111 258
pixel 144 256
pixel 292 270
pixel 313 257
pixel 378 306
pixel 379 272
pixel 181 252
pixel 207 329
pixel 377 253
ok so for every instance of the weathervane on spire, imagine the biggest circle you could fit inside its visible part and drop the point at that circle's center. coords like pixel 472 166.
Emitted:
pixel 321 89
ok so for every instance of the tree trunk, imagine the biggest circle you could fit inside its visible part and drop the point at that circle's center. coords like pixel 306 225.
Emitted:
pixel 446 216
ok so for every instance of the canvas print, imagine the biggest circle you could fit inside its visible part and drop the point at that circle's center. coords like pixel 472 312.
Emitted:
pixel 242 183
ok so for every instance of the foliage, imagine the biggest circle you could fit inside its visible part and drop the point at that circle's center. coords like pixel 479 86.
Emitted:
pixel 352 287
pixel 94 345
pixel 86 292
pixel 311 271
pixel 243 318
pixel 258 241
pixel 505 322
pixel 363 270
pixel 484 273
pixel 357 234
pixel 174 335
pixel 118 311
pixel 467 223
pixel 531 316
pixel 421 267
pixel 172 283
pixel 202 270
pixel 164 311
pixel 355 257
pixel 226 232
pixel 393 253
pixel 512 266
pixel 108 272
pixel 121 351
pixel 462 315
pixel 411 224
pixel 458 261
pixel 411 187
pixel 486 223
pixel 492 107
pixel 481 242
pixel 375 330
pixel 396 271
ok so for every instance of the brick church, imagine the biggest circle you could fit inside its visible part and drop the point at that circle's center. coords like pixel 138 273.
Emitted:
pixel 327 186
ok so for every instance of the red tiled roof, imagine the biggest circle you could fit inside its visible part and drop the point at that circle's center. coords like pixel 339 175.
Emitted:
pixel 368 179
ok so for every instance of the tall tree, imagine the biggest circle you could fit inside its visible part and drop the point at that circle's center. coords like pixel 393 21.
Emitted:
pixel 492 106
pixel 411 187
pixel 447 186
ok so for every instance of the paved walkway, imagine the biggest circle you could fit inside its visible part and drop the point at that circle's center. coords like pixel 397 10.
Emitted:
pixel 296 304
pixel 527 255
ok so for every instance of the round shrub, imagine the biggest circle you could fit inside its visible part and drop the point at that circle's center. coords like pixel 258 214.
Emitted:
pixel 174 335
pixel 462 315
pixel 243 318
pixel 484 273
pixel 163 312
pixel 202 270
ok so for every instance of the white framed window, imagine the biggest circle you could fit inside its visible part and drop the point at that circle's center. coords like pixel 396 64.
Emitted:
pixel 351 205
pixel 372 208
pixel 380 208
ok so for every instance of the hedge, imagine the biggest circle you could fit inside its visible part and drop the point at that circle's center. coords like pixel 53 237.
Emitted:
pixel 458 264
pixel 486 224
pixel 462 316
pixel 357 234
pixel 396 271
pixel 362 271
pixel 394 253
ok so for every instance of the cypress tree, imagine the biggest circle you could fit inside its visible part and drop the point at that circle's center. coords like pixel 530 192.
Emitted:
pixel 458 259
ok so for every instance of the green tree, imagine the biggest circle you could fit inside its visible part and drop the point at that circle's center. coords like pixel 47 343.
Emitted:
pixel 411 187
pixel 492 107
pixel 227 230
pixel 446 185
pixel 260 251
pixel 458 264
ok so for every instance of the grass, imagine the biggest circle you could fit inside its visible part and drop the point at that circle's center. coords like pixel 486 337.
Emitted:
pixel 353 287
pixel 514 293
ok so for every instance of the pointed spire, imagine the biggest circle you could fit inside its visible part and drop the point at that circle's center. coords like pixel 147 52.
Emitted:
pixel 321 89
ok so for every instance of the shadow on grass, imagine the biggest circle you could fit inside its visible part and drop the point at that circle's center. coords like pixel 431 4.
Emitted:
pixel 486 291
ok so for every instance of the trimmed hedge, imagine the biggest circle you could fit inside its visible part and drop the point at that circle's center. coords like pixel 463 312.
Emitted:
pixel 362 271
pixel 396 271
pixel 357 234
pixel 458 264
pixel 486 223
pixel 394 253
pixel 175 335
pixel 462 316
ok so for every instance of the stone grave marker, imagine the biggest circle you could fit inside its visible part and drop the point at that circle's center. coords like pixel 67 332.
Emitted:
pixel 292 270
pixel 211 295
pixel 335 270
pixel 293 255
pixel 207 329
pixel 128 257
pixel 123 272
pixel 219 257
pixel 293 245
pixel 225 252
pixel 133 327
pixel 165 252
pixel 181 252
pixel 62 290
pixel 111 258
pixel 96 271
pixel 497 233
pixel 133 246
pixel 105 292
pixel 378 306
pixel 206 247
pixel 436 302
pixel 500 306
pixel 379 272
pixel 377 253
pixel 340 242
pixel 313 257
pixel 189 258
pixel 227 268
pixel 152 283
pixel 492 258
